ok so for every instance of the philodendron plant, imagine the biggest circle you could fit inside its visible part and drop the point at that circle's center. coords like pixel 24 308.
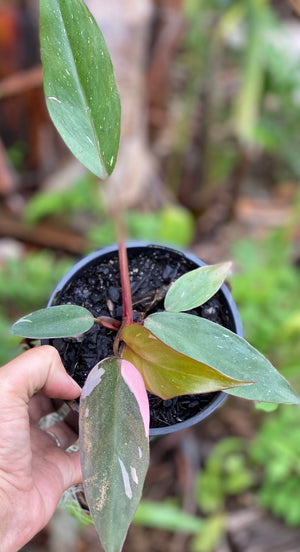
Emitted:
pixel 168 353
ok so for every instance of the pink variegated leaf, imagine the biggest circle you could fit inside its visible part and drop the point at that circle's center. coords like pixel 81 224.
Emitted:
pixel 114 446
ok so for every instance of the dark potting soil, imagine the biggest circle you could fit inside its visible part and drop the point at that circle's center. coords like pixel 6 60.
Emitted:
pixel 98 288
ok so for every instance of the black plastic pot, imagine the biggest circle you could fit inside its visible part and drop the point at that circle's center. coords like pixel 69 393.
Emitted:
pixel 228 307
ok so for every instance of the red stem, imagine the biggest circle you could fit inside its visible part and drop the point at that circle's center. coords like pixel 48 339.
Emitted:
pixel 125 284
pixel 107 322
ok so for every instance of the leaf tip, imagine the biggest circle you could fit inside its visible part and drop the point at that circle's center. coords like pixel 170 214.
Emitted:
pixel 228 266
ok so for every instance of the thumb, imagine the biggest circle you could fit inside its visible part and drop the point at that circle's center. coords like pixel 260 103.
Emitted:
pixel 37 369
pixel 70 467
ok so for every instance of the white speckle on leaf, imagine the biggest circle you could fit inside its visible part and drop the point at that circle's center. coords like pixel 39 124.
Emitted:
pixel 54 99
pixel 134 475
pixel 126 481
pixel 140 452
pixel 93 379
pixel 86 412
pixel 88 138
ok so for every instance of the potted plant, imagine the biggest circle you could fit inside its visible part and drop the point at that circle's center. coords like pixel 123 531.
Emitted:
pixel 152 269
pixel 160 343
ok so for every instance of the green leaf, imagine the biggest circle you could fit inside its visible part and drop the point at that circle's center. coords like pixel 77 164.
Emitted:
pixel 167 516
pixel 75 509
pixel 166 372
pixel 59 321
pixel 266 407
pixel 80 89
pixel 223 350
pixel 195 287
pixel 114 446
pixel 213 533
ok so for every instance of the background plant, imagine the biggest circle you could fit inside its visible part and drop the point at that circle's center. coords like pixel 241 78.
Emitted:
pixel 83 102
pixel 276 451
pixel 266 288
pixel 226 473
pixel 241 83
pixel 84 200
pixel 265 467
pixel 227 156
pixel 25 284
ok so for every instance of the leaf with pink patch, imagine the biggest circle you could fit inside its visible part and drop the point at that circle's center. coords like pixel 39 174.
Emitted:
pixel 113 437
pixel 165 371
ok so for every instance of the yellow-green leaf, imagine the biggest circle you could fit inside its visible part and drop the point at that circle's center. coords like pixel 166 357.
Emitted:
pixel 166 372
pixel 210 343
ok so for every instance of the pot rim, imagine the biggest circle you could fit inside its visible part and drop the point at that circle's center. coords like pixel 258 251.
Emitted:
pixel 220 396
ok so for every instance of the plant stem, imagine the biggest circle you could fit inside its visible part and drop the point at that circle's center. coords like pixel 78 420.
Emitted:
pixel 107 322
pixel 125 284
pixel 121 233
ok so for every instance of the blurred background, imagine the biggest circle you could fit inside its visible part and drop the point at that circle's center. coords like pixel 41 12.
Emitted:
pixel 209 161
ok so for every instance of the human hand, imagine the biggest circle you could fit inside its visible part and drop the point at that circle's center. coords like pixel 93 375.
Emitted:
pixel 34 470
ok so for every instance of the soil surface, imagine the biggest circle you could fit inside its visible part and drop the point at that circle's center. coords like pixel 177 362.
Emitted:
pixel 98 288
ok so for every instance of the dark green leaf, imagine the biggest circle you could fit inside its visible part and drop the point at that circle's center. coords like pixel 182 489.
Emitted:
pixel 114 428
pixel 60 321
pixel 195 287
pixel 166 372
pixel 225 351
pixel 80 89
